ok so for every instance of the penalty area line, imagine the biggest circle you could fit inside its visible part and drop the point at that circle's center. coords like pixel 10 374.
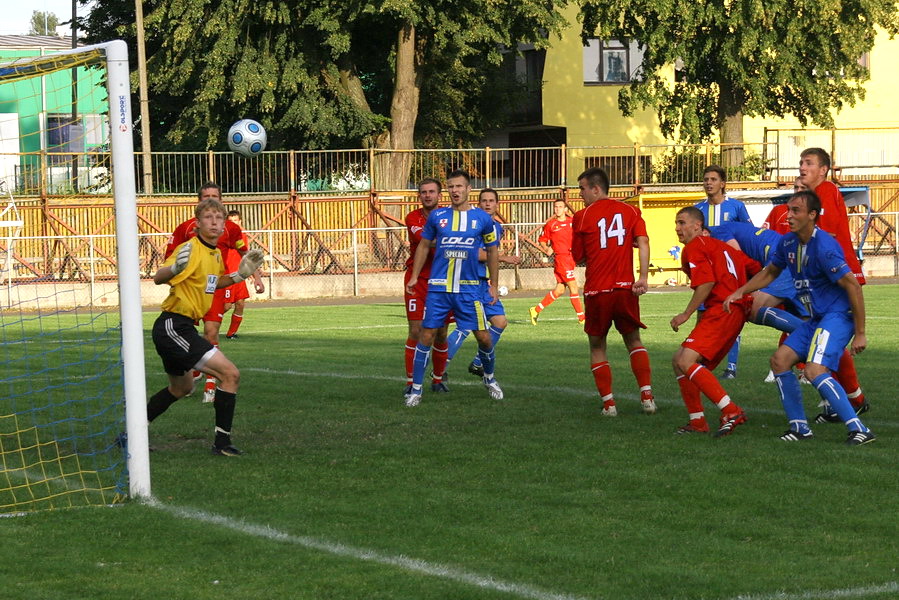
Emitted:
pixel 343 550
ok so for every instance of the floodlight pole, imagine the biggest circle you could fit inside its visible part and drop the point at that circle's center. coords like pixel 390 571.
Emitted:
pixel 146 156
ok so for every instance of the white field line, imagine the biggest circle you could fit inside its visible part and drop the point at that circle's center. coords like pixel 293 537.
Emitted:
pixel 891 587
pixel 549 390
pixel 363 554
pixel 455 574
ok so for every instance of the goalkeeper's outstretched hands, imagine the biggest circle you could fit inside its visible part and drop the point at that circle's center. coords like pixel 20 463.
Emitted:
pixel 250 262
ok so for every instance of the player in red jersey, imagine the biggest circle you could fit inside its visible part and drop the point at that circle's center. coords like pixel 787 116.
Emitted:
pixel 555 241
pixel 231 239
pixel 715 270
pixel 236 295
pixel 606 232
pixel 429 195
pixel 777 219
pixel 814 163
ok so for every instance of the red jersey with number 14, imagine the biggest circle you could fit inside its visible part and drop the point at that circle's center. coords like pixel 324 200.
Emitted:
pixel 557 234
pixel 604 236
pixel 706 259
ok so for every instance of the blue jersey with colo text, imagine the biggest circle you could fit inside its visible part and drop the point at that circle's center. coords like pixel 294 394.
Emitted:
pixel 816 267
pixel 718 214
pixel 457 237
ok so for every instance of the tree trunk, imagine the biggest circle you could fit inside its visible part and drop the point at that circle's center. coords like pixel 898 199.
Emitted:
pixel 730 120
pixel 393 168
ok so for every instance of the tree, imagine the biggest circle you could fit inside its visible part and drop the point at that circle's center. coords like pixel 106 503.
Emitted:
pixel 741 57
pixel 319 74
pixel 43 23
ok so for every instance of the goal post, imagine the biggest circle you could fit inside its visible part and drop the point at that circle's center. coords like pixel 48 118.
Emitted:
pixel 60 413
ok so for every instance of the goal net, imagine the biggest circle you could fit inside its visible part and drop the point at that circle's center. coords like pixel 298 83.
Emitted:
pixel 71 337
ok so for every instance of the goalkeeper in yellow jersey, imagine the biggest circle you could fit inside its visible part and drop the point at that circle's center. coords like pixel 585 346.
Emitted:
pixel 194 271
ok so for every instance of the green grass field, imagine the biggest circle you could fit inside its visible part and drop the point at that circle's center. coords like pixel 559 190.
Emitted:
pixel 345 493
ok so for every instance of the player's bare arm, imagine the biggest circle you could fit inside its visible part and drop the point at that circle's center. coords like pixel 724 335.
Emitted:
pixel 421 256
pixel 509 259
pixel 758 281
pixel 493 269
pixel 699 295
pixel 641 285
pixel 857 301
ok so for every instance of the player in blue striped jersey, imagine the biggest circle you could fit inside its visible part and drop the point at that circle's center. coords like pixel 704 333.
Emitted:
pixel 833 297
pixel 457 233
pixel 488 201
pixel 718 209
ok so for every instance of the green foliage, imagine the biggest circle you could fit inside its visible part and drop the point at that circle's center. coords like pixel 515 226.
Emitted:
pixel 768 58
pixel 43 23
pixel 687 165
pixel 322 74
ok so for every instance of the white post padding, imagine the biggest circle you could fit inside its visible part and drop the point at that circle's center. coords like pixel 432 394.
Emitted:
pixel 124 189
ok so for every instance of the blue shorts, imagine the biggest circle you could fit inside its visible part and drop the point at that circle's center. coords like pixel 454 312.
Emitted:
pixel 491 310
pixel 822 339
pixel 467 307
pixel 783 288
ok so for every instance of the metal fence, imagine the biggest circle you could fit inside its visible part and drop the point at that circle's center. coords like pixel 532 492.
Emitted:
pixel 375 170
pixel 862 153
pixel 303 263
pixel 871 154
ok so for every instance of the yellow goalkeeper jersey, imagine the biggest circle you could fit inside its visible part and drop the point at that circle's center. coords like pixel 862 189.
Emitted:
pixel 193 288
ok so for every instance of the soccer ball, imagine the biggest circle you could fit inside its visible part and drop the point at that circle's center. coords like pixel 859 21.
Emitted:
pixel 247 138
pixel 503 290
pixel 671 281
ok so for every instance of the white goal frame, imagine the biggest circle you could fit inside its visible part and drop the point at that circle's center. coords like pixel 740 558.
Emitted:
pixel 128 270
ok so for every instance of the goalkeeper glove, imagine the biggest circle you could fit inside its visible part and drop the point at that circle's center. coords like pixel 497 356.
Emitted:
pixel 182 259
pixel 250 262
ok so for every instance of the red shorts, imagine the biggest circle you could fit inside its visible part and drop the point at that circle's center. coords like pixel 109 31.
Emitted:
pixel 217 309
pixel 564 268
pixel 415 303
pixel 620 307
pixel 716 332
pixel 236 292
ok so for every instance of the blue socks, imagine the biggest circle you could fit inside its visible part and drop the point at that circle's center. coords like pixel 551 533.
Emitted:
pixel 733 355
pixel 420 363
pixel 487 360
pixel 495 333
pixel 791 399
pixel 834 394
pixel 454 341
pixel 778 319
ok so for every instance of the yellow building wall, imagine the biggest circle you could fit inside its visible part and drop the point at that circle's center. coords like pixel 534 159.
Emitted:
pixel 588 112
pixel 878 109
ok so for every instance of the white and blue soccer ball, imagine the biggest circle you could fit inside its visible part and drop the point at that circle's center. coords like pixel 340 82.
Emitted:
pixel 247 137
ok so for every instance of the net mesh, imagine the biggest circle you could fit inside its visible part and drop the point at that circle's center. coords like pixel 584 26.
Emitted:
pixel 61 386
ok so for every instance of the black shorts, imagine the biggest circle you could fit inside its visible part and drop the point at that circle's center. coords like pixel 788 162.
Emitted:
pixel 179 345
